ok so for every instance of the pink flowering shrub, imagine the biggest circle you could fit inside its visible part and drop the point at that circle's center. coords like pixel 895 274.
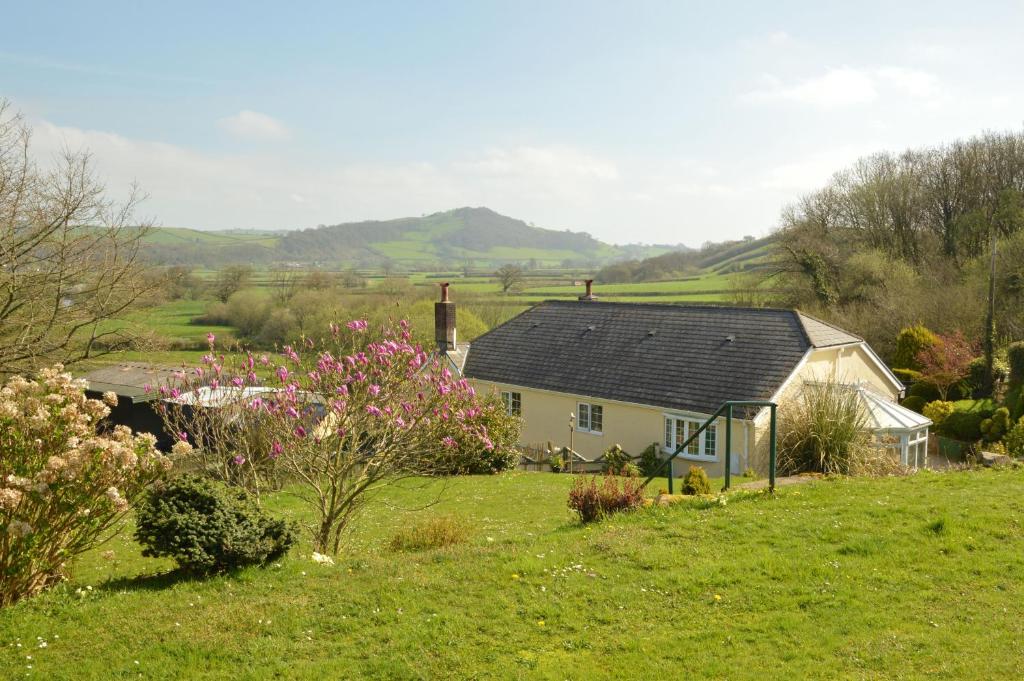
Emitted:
pixel 342 417
pixel 62 485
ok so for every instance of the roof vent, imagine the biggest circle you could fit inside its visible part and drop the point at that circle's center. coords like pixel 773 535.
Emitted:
pixel 730 338
pixel 591 327
pixel 651 332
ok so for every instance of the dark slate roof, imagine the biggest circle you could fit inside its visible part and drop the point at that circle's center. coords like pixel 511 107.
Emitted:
pixel 686 357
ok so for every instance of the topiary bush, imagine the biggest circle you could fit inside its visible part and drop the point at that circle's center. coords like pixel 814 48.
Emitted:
pixel 207 527
pixel 965 423
pixel 910 341
pixel 996 426
pixel 696 481
pixel 926 391
pixel 593 502
pixel 914 403
pixel 938 411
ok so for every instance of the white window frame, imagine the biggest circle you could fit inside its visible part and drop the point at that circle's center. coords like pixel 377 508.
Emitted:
pixel 690 423
pixel 588 428
pixel 510 397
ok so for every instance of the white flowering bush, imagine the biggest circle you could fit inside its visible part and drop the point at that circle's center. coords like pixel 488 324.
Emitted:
pixel 62 485
pixel 342 417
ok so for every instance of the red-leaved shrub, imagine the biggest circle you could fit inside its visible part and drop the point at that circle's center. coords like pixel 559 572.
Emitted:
pixel 593 501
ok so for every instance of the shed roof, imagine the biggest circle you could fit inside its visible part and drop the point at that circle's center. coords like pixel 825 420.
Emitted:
pixel 683 357
pixel 130 380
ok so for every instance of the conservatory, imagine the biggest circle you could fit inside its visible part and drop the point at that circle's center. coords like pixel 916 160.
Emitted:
pixel 900 432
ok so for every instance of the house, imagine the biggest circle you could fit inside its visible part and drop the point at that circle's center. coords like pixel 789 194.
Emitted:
pixel 632 374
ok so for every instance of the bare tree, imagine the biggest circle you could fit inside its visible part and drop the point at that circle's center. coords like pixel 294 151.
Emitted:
pixel 230 280
pixel 69 258
pixel 510 277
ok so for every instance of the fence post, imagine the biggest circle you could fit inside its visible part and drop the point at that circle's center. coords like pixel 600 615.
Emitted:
pixel 728 446
pixel 771 452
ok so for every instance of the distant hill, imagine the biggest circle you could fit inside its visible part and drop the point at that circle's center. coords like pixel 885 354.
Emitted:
pixel 727 257
pixel 478 236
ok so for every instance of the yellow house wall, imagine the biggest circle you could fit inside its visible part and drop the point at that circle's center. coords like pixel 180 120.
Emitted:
pixel 851 364
pixel 632 426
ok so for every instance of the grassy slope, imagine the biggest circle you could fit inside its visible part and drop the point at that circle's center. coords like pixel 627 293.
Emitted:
pixel 893 578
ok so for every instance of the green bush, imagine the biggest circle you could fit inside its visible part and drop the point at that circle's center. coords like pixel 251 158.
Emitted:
pixel 615 459
pixel 908 376
pixel 206 527
pixel 995 427
pixel 976 375
pixel 1015 401
pixel 930 393
pixel 1014 439
pixel 964 423
pixel 470 456
pixel 910 341
pixel 914 403
pixel 938 411
pixel 696 481
pixel 1015 360
pixel 557 461
pixel 926 391
pixel 650 461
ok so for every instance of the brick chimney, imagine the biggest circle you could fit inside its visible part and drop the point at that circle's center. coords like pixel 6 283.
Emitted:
pixel 444 322
pixel 589 295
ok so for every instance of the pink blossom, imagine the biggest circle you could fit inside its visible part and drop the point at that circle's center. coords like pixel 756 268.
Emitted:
pixel 147 388
pixel 282 374
pixel 375 411
pixel 342 390
pixel 290 353
pixel 357 325
pixel 275 450
pixel 300 431
pixel 210 338
pixel 264 360
pixel 400 422
pixel 291 412
pixel 374 390
pixel 335 329
pixel 448 442
pixel 237 381
pixel 183 436
pixel 239 459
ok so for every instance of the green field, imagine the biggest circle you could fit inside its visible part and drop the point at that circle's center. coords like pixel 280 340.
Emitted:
pixel 915 577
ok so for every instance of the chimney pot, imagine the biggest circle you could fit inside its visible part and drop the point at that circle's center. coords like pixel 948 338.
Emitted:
pixel 444 322
pixel 589 295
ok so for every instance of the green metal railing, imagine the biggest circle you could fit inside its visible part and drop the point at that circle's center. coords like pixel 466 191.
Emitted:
pixel 726 408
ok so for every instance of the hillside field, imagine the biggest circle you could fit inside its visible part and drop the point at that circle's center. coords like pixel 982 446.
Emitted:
pixel 892 578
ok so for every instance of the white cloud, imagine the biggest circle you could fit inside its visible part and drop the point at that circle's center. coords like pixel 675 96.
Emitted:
pixel 836 88
pixel 813 170
pixel 254 125
pixel 845 87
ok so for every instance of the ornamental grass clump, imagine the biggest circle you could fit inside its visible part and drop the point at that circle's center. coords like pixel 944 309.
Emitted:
pixel 432 533
pixel 342 417
pixel 62 484
pixel 592 501
pixel 825 430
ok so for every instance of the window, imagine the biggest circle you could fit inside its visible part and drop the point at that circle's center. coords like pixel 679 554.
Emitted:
pixel 678 430
pixel 589 417
pixel 513 403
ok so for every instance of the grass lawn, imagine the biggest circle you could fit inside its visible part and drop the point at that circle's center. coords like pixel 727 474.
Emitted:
pixel 919 577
